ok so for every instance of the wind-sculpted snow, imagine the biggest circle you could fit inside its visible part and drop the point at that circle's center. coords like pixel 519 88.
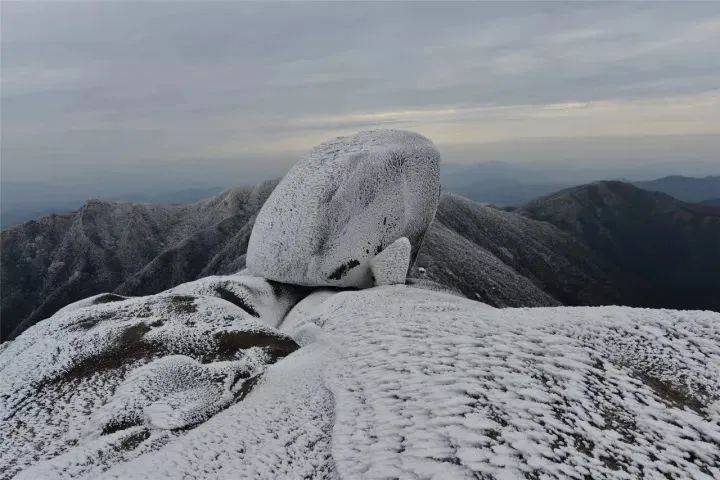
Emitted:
pixel 396 382
pixel 343 204
pixel 432 386
pixel 283 429
pixel 113 372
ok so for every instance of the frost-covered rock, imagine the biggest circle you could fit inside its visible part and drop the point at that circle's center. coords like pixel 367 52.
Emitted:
pixel 98 299
pixel 171 392
pixel 264 299
pixel 306 311
pixel 343 204
pixel 113 372
pixel 390 266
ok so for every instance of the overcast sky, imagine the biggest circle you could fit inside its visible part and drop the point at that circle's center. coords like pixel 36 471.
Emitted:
pixel 97 87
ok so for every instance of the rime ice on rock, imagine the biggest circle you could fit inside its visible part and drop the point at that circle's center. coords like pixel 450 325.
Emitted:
pixel 265 300
pixel 390 266
pixel 343 204
pixel 109 372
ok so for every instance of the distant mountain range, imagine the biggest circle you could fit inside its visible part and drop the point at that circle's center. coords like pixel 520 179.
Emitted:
pixel 601 243
pixel 505 184
pixel 687 189
pixel 23 201
pixel 497 183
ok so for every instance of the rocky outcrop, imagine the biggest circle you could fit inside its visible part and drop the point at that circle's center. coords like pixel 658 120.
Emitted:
pixel 390 267
pixel 111 370
pixel 343 204
pixel 390 381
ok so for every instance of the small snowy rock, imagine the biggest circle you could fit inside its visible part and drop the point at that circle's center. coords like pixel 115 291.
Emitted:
pixel 169 393
pixel 390 267
pixel 265 300
pixel 342 205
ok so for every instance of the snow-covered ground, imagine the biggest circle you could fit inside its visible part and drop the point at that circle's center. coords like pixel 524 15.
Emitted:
pixel 388 382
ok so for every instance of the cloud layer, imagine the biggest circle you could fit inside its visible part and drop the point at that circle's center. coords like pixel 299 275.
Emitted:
pixel 110 85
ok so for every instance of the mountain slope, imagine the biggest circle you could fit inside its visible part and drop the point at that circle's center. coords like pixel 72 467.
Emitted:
pixel 687 189
pixel 667 252
pixel 505 259
pixel 590 245
pixel 60 259
pixel 218 249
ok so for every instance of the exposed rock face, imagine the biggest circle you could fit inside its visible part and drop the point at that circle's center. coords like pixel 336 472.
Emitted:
pixel 343 204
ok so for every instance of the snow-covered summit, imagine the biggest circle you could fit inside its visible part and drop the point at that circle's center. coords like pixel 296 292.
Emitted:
pixel 343 204
pixel 241 376
pixel 387 382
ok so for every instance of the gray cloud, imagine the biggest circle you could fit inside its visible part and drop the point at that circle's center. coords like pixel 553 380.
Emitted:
pixel 120 84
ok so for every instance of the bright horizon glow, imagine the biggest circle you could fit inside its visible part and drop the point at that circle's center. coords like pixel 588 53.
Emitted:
pixel 697 114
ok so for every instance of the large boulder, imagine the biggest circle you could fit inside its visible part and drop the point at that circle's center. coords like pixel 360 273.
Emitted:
pixel 342 205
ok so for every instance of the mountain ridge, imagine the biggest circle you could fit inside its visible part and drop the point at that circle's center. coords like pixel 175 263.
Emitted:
pixel 528 256
pixel 687 189
pixel 666 250
pixel 62 258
